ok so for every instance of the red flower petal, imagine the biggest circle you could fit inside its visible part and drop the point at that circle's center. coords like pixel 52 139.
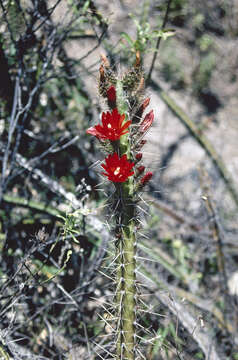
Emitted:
pixel 124 127
pixel 93 131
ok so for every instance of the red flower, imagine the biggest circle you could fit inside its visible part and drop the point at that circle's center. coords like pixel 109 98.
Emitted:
pixel 117 169
pixel 112 127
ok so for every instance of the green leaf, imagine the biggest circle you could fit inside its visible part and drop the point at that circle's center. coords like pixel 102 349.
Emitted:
pixel 128 39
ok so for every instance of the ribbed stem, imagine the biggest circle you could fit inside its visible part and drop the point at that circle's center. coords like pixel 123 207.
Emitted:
pixel 119 292
pixel 126 264
pixel 128 303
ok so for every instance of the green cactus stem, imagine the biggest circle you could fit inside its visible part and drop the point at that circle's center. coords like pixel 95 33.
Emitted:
pixel 126 251
pixel 123 129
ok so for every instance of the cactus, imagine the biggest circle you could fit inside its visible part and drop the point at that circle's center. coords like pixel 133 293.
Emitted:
pixel 122 130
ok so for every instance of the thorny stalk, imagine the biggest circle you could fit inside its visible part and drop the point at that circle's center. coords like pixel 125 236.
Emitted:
pixel 121 134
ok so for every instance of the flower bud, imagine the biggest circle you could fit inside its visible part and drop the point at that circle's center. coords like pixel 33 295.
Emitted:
pixel 138 156
pixel 141 109
pixel 146 178
pixel 147 122
pixel 102 73
pixel 111 97
pixel 145 103
pixel 140 170
pixel 138 59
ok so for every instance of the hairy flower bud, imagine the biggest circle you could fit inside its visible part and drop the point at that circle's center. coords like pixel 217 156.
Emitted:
pixel 141 109
pixel 145 104
pixel 147 122
pixel 102 73
pixel 111 97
